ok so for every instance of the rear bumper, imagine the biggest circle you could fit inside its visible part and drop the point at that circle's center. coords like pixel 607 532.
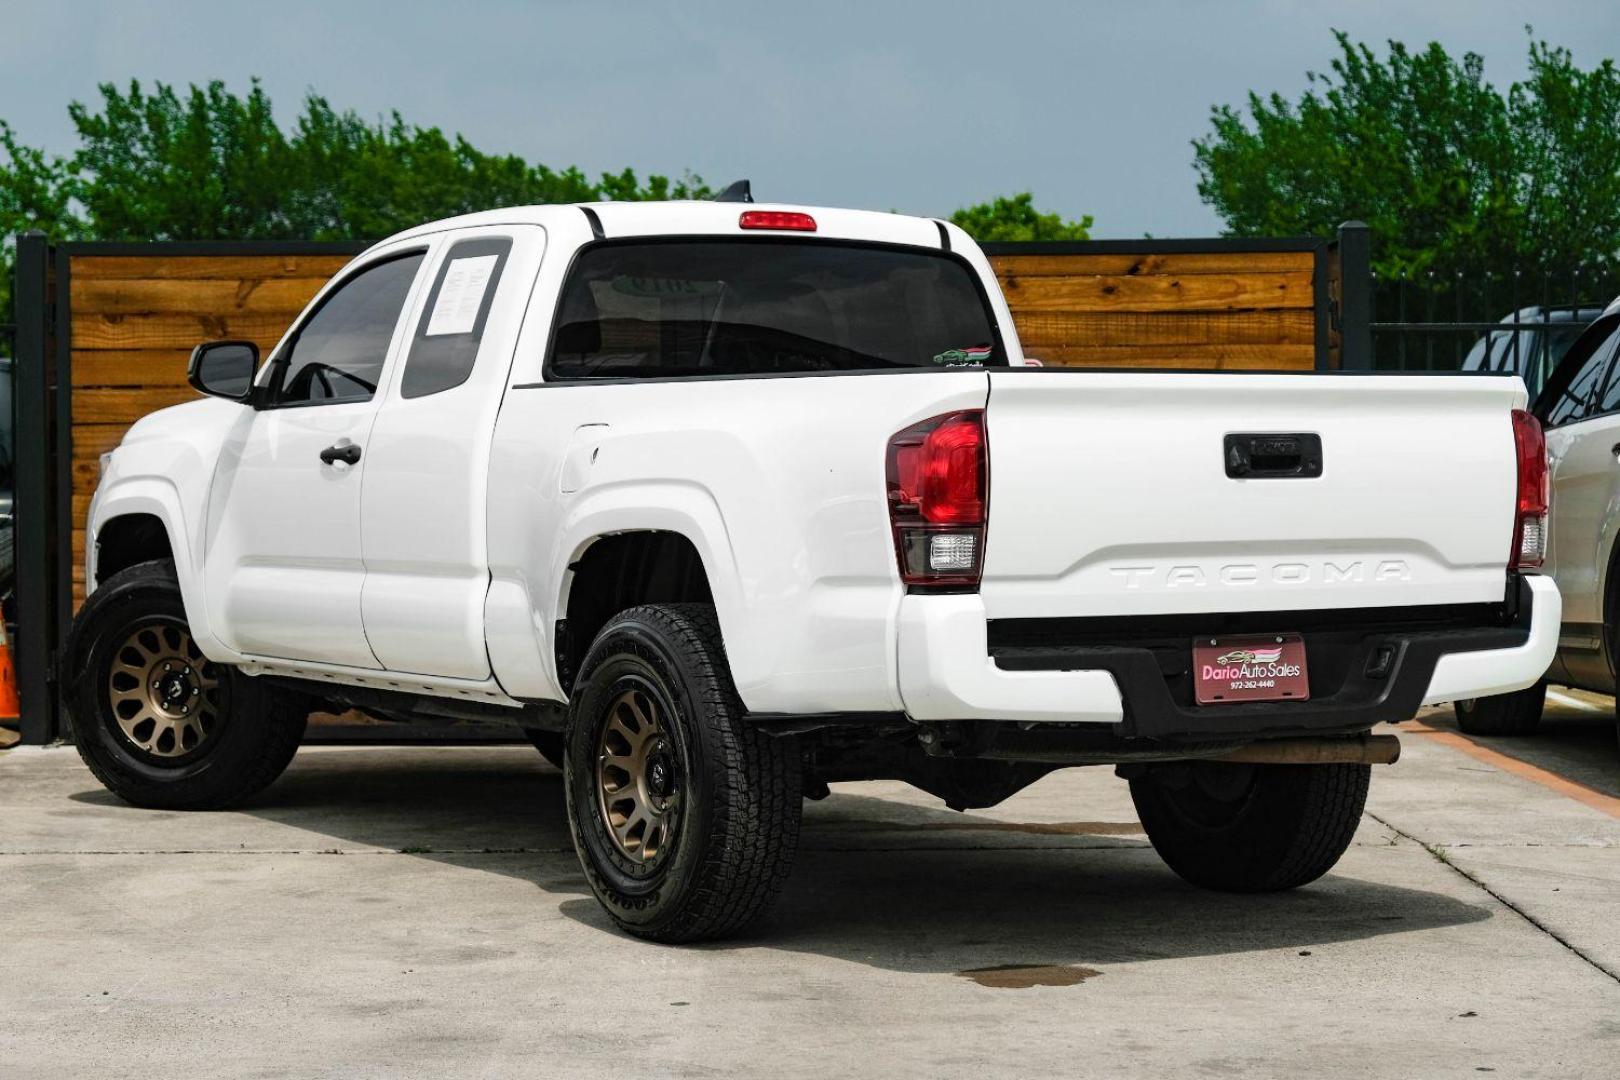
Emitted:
pixel 950 670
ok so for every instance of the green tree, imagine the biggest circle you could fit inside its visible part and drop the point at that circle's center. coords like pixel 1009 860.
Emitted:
pixel 207 164
pixel 34 194
pixel 1449 172
pixel 203 163
pixel 1016 218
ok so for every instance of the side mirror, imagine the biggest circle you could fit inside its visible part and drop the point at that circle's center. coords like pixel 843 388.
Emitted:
pixel 224 368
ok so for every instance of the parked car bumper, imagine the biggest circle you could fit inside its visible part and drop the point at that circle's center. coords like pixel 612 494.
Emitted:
pixel 950 668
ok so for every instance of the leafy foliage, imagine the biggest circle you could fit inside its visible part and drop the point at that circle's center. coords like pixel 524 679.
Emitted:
pixel 206 164
pixel 33 195
pixel 1015 218
pixel 1447 171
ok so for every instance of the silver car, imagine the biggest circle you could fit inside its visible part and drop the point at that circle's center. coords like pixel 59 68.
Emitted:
pixel 1580 409
pixel 1534 348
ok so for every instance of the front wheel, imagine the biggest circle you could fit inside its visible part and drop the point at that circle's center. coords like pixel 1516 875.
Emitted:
pixel 685 818
pixel 1518 713
pixel 1251 828
pixel 157 722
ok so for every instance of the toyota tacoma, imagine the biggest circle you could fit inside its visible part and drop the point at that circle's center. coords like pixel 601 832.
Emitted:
pixel 725 502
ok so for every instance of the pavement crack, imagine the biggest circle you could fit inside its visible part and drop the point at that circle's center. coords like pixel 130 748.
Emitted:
pixel 1438 852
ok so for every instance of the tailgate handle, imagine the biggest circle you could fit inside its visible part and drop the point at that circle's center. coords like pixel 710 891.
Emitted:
pixel 1273 456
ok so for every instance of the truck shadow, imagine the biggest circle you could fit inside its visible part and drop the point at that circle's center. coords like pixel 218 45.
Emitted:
pixel 917 889
pixel 892 885
pixel 1086 903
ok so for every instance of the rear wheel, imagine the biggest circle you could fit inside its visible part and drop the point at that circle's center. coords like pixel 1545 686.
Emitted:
pixel 685 817
pixel 1251 828
pixel 156 721
pixel 1518 713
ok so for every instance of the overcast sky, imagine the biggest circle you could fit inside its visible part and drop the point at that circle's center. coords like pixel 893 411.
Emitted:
pixel 919 107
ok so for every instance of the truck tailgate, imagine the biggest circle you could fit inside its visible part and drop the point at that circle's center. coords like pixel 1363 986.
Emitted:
pixel 1110 493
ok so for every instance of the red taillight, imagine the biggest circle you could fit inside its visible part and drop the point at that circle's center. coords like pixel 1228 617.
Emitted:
pixel 1534 495
pixel 938 475
pixel 777 219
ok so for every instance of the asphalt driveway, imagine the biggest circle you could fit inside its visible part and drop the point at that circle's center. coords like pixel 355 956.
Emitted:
pixel 417 911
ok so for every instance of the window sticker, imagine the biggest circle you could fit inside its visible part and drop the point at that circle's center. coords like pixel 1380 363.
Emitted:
pixel 461 295
pixel 973 354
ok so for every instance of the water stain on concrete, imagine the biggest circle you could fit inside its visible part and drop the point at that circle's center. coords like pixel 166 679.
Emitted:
pixel 1024 976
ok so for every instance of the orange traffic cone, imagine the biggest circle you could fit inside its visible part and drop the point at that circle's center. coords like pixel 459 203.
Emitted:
pixel 9 708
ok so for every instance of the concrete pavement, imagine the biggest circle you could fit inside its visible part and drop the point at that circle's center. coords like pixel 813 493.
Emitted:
pixel 418 912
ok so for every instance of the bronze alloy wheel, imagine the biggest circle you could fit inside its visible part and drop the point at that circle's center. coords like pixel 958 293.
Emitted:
pixel 684 814
pixel 164 694
pixel 638 780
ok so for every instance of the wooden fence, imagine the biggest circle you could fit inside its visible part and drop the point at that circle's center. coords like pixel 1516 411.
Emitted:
pixel 113 325
pixel 1218 304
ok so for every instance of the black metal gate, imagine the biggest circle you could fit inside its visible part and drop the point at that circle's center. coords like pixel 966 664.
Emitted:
pixel 1491 319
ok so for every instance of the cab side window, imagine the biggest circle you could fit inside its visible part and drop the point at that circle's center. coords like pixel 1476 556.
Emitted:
pixel 338 353
pixel 445 346
pixel 1573 393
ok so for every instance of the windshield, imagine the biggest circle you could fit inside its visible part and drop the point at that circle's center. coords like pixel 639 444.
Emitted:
pixel 668 309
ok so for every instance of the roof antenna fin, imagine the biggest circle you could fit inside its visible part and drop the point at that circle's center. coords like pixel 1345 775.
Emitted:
pixel 736 191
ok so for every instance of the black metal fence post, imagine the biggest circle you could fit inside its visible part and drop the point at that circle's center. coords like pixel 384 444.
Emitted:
pixel 36 543
pixel 61 451
pixel 1355 297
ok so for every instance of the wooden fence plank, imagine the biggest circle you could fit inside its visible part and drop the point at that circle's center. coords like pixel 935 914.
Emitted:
pixel 198 296
pixel 1214 262
pixel 160 267
pixel 1044 328
pixel 92 330
pixel 93 440
pixel 1156 292
pixel 130 367
pixel 85 475
pixel 1220 357
pixel 124 404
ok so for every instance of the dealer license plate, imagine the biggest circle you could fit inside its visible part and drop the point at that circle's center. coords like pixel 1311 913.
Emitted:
pixel 1269 667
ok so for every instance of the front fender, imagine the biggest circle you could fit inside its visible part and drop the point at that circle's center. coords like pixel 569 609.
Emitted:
pixel 159 497
pixel 165 467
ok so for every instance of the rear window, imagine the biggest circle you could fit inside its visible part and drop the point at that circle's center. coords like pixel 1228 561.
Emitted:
pixel 766 307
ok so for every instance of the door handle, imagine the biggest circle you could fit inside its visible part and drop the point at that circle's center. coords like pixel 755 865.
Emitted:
pixel 348 453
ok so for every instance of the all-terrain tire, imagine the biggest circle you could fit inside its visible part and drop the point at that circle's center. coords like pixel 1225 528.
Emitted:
pixel 1518 713
pixel 254 731
pixel 730 827
pixel 1251 828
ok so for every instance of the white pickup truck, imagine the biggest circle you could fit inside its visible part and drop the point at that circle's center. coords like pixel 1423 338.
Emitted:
pixel 724 502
